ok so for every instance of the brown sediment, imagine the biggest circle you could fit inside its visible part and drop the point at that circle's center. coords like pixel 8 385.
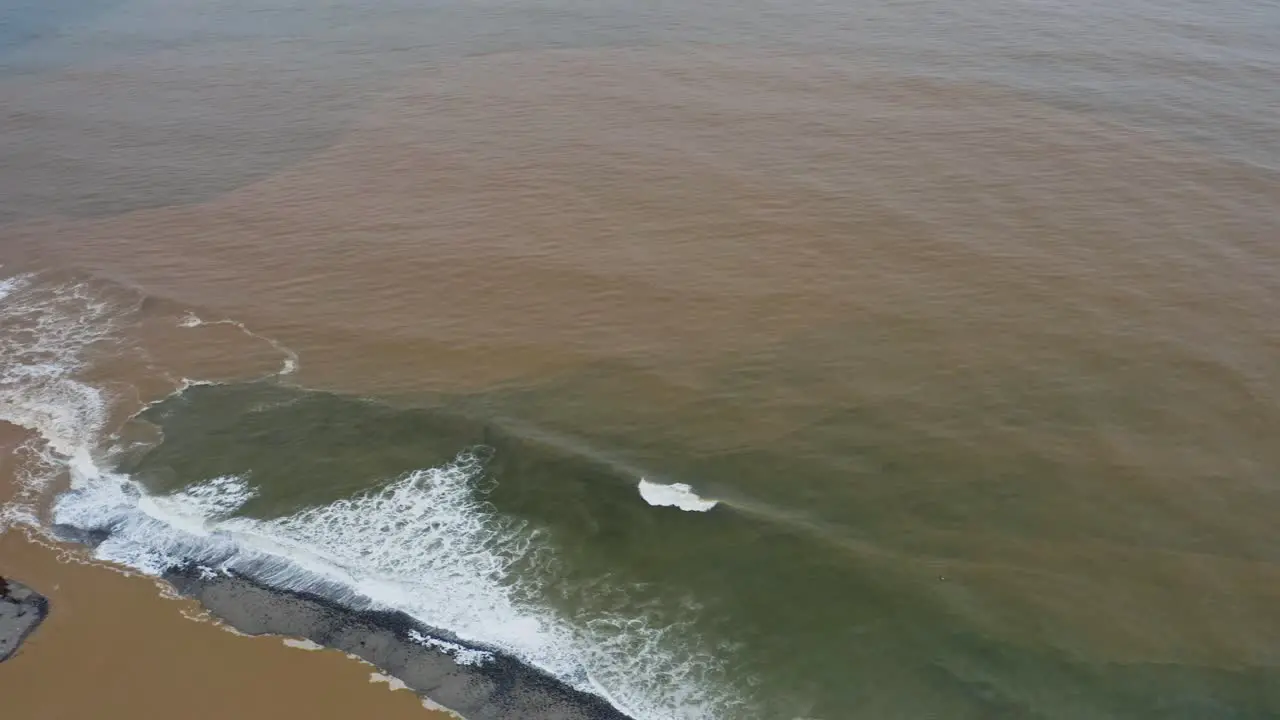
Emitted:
pixel 519 215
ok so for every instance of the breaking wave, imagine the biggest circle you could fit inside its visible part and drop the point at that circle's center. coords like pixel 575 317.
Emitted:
pixel 426 543
pixel 678 495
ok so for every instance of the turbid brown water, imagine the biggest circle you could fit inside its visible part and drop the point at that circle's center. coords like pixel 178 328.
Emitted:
pixel 964 315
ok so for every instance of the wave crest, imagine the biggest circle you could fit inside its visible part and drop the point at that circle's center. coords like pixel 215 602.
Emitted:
pixel 676 495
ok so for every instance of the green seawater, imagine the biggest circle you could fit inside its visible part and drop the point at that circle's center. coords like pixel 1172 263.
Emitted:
pixel 847 572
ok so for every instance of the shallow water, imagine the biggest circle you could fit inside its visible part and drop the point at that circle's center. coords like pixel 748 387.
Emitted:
pixel 962 316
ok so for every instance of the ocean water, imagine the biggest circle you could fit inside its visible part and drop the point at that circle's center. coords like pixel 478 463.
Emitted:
pixel 782 362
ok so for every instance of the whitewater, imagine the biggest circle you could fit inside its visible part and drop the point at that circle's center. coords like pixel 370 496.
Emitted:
pixel 426 543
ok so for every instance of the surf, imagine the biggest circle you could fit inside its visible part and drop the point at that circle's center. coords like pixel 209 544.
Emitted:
pixel 424 542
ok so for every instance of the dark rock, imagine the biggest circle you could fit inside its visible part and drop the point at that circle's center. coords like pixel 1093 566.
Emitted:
pixel 21 611
pixel 499 688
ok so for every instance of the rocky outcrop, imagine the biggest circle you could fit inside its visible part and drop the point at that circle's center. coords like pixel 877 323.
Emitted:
pixel 21 611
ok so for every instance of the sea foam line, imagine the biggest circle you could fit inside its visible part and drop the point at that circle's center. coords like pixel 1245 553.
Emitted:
pixel 288 366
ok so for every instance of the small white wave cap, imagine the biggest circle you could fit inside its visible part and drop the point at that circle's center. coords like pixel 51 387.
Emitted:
pixel 676 495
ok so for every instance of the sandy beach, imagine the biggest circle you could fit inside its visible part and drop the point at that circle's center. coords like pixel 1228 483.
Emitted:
pixel 114 647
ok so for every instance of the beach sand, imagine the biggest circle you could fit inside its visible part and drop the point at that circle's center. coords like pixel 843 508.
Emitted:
pixel 113 647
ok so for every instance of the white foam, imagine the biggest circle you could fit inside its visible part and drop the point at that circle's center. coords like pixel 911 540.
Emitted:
pixel 676 495
pixel 193 508
pixel 288 365
pixel 49 330
pixel 427 543
pixel 40 357
pixel 461 654
pixel 9 285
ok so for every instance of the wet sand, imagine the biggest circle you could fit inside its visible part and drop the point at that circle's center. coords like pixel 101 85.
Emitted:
pixel 112 647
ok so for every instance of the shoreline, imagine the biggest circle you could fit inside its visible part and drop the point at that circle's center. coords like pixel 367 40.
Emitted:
pixel 133 648
pixel 447 676
pixel 477 683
